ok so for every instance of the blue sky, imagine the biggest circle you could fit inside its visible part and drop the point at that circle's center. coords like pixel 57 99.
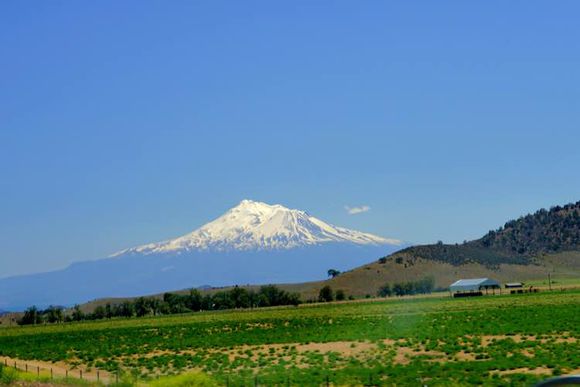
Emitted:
pixel 130 122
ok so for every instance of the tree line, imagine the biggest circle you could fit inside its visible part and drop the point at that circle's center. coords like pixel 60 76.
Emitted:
pixel 422 286
pixel 170 303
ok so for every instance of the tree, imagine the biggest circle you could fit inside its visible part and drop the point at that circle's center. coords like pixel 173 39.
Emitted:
pixel 398 289
pixel 240 297
pixel 340 295
pixel 425 285
pixel 142 307
pixel 385 291
pixel 77 314
pixel 326 294
pixel 173 303
pixel 270 295
pixel 195 300
pixel 222 300
pixel 99 312
pixel 31 316
pixel 108 310
pixel 126 309
pixel 333 273
pixel 53 314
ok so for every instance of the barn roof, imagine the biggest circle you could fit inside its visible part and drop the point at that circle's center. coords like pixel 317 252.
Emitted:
pixel 472 284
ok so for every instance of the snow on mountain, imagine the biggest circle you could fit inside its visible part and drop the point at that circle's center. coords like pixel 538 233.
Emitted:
pixel 255 225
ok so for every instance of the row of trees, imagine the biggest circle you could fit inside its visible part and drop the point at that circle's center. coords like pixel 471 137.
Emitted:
pixel 33 315
pixel 423 286
pixel 171 303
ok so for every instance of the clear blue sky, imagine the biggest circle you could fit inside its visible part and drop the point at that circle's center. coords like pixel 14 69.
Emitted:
pixel 124 122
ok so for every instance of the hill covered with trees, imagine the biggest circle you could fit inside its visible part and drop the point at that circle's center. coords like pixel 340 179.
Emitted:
pixel 519 241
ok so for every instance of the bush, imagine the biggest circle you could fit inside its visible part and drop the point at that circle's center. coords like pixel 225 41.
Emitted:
pixel 385 291
pixel 326 294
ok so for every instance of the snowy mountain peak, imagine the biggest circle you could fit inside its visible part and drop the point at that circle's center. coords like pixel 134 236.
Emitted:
pixel 253 225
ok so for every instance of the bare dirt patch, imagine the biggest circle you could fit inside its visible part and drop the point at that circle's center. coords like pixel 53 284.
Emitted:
pixel 345 348
pixel 465 356
pixel 404 355
pixel 563 338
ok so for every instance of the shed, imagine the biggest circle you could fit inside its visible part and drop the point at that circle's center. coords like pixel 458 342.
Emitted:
pixel 473 286
pixel 514 285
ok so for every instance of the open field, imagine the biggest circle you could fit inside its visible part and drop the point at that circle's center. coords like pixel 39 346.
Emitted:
pixel 515 339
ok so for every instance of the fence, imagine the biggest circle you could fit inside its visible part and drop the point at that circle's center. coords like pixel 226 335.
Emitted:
pixel 57 372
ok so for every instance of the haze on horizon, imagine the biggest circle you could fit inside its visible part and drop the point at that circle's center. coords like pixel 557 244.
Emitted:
pixel 128 123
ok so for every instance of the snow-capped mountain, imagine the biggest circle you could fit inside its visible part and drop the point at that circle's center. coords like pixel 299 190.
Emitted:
pixel 252 243
pixel 255 225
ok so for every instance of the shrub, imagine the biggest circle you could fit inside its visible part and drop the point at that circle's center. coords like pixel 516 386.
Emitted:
pixel 326 294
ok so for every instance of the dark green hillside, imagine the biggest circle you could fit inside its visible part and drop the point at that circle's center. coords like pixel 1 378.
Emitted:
pixel 545 231
pixel 518 242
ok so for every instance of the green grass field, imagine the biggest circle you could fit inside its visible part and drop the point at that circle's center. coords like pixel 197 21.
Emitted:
pixel 516 339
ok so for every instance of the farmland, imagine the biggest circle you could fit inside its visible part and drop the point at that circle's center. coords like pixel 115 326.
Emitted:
pixel 515 339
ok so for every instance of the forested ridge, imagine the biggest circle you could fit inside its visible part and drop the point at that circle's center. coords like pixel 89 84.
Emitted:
pixel 518 241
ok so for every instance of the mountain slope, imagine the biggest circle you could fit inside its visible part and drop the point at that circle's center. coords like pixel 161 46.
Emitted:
pixel 251 243
pixel 259 226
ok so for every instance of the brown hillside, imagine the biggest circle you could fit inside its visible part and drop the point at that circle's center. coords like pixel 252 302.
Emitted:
pixel 401 267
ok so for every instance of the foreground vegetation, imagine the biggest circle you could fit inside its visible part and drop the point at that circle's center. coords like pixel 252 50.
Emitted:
pixel 516 339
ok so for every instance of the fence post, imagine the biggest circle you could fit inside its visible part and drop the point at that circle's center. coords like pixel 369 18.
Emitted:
pixel 98 376
pixel 66 373
pixel 51 376
pixel 117 377
pixel 256 381
pixel 37 371
pixel 26 366
pixel 81 372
